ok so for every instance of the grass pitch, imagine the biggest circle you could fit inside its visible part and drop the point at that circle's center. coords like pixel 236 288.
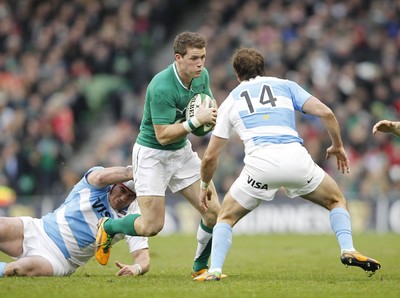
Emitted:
pixel 258 266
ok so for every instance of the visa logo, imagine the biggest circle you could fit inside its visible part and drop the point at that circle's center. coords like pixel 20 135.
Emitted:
pixel 256 184
pixel 101 208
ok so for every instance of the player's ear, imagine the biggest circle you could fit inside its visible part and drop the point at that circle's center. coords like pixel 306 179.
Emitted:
pixel 178 57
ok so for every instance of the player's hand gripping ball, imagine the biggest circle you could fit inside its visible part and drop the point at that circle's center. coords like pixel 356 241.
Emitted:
pixel 191 110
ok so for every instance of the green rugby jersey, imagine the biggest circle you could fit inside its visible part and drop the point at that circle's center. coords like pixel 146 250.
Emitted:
pixel 166 102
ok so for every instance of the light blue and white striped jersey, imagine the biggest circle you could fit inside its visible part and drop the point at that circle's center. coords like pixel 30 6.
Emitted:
pixel 73 226
pixel 262 111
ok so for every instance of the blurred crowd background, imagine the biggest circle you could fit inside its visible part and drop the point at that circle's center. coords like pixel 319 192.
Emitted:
pixel 73 75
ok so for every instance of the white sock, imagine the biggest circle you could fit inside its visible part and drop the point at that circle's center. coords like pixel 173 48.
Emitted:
pixel 2 268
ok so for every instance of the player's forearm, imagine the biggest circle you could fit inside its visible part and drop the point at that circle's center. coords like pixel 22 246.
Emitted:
pixel 142 262
pixel 168 134
pixel 332 126
pixel 211 157
pixel 112 175
pixel 208 168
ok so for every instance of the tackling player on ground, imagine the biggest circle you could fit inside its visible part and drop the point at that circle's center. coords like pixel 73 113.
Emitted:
pixel 64 240
pixel 261 110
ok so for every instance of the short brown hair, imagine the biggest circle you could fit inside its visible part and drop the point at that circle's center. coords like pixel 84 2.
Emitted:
pixel 186 40
pixel 248 63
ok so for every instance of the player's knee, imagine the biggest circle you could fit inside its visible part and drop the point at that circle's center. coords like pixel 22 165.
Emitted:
pixel 210 218
pixel 341 203
pixel 152 229
pixel 151 232
pixel 337 200
pixel 15 270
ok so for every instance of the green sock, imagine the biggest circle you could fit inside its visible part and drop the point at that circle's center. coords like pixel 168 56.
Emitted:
pixel 123 225
pixel 204 240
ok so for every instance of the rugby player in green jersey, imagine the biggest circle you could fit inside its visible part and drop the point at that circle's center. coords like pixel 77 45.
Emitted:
pixel 163 156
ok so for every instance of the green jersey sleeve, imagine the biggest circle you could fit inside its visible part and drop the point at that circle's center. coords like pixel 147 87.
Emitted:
pixel 163 108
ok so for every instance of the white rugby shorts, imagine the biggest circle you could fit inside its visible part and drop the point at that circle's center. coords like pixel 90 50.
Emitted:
pixel 37 243
pixel 155 169
pixel 271 167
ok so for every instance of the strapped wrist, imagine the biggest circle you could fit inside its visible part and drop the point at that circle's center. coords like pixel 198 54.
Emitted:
pixel 139 269
pixel 186 126
pixel 203 185
pixel 191 124
pixel 196 123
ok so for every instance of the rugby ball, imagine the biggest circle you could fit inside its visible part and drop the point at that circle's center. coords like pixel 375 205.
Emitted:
pixel 194 104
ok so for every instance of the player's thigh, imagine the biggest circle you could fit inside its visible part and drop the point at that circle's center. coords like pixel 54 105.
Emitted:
pixel 11 235
pixel 38 243
pixel 29 266
pixel 185 168
pixel 152 218
pixel 152 208
pixel 214 204
pixel 192 192
pixel 150 171
pixel 327 194
pixel 231 211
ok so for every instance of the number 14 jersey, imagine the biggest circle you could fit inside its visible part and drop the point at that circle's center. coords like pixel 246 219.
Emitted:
pixel 262 111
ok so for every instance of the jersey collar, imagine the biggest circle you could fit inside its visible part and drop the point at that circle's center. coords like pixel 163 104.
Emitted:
pixel 177 76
